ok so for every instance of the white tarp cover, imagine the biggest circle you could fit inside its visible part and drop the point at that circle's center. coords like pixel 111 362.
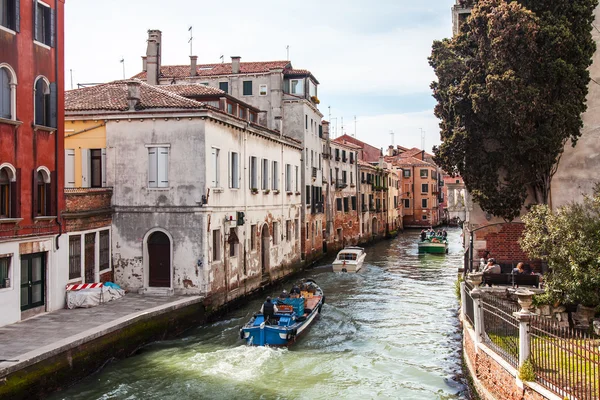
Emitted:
pixel 86 298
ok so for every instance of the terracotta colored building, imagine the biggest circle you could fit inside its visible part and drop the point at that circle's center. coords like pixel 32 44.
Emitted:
pixel 31 137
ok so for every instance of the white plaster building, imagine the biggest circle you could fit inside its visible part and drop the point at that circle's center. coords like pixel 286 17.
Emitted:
pixel 206 201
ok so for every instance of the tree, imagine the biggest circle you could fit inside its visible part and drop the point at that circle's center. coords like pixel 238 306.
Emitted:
pixel 569 241
pixel 510 93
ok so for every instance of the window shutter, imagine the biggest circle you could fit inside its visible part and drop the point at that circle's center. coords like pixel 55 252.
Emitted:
pixel 229 180
pixel 213 154
pixel 52 28
pixel 39 102
pixel 103 166
pixel 163 167
pixel 51 205
pixel 17 15
pixel 53 106
pixel 34 195
pixel 85 168
pixel 152 167
pixel 5 95
pixel 69 168
pixel 35 20
pixel 15 195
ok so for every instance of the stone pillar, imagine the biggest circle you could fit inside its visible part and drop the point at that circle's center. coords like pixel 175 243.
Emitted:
pixel 525 297
pixel 476 294
pixel 463 296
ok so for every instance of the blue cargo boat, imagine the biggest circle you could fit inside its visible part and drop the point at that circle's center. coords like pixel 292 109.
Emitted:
pixel 294 316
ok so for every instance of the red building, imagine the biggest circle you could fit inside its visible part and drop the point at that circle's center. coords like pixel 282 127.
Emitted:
pixel 31 156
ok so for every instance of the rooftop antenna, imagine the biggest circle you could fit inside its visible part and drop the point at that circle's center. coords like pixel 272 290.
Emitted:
pixel 71 79
pixel 355 126
pixel 392 134
pixel 422 139
pixel 287 48
pixel 191 41
pixel 123 62
pixel 222 59
pixel 342 123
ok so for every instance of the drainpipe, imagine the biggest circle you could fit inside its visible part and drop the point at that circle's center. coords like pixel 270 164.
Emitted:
pixel 56 44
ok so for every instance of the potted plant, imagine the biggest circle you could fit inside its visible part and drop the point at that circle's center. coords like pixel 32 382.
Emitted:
pixel 267 191
pixel 276 191
pixel 254 190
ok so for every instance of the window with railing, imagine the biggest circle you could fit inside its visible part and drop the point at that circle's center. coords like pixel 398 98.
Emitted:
pixel 104 250
pixel 75 257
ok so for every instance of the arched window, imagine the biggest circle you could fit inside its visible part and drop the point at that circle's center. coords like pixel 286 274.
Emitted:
pixel 8 82
pixel 42 192
pixel 9 200
pixel 42 102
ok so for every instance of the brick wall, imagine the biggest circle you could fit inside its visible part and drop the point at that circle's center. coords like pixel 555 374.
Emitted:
pixel 107 277
pixel 87 199
pixel 502 241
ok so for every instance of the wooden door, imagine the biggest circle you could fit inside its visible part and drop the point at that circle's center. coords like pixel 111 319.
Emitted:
pixel 90 257
pixel 33 280
pixel 159 262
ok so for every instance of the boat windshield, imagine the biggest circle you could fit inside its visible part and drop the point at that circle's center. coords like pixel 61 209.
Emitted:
pixel 347 256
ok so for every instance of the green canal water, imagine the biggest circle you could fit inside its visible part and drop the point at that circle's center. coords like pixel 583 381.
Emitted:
pixel 389 332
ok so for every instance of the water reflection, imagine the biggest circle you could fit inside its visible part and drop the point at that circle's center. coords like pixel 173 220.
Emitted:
pixel 390 331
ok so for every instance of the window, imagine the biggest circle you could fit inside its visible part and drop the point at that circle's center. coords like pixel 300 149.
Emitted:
pixel 224 86
pixel 275 175
pixel 104 250
pixel 5 193
pixel 252 237
pixel 346 207
pixel 424 216
pixel 253 173
pixel 306 121
pixel 5 272
pixel 424 188
pixel 424 203
pixel 216 245
pixel 7 93
pixel 262 90
pixel 343 155
pixel 296 179
pixel 234 170
pixel 424 173
pixel 247 88
pixel 75 257
pixel 339 205
pixel 42 103
pixel 297 87
pixel 297 225
pixel 265 174
pixel 406 173
pixel 275 233
pixel 351 157
pixel 351 178
pixel 98 172
pixel 288 230
pixel 241 113
pixel 9 18
pixel 158 167
pixel 229 108
pixel 44 24
pixel 216 169
pixel 406 203
pixel 288 178
pixel 307 194
pixel 344 177
pixel 353 203
pixel 307 231
pixel 42 198
pixel 232 242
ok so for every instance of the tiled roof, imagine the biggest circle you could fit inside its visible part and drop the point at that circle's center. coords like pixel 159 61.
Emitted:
pixel 192 90
pixel 414 151
pixel 347 144
pixel 412 161
pixel 113 97
pixel 183 71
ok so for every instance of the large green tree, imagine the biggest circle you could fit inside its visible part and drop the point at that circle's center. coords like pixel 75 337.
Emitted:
pixel 569 241
pixel 510 92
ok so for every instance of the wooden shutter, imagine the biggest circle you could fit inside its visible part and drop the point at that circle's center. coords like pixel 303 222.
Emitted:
pixel 53 111
pixel 229 169
pixel 103 166
pixel 15 195
pixel 17 15
pixel 52 27
pixel 152 167
pixel 34 199
pixel 51 194
pixel 69 168
pixel 39 102
pixel 163 167
pixel 86 172
pixel 35 20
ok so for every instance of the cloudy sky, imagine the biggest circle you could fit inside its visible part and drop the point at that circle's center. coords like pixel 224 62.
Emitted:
pixel 369 56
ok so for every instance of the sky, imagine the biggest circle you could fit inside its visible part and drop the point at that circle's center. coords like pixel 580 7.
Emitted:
pixel 370 57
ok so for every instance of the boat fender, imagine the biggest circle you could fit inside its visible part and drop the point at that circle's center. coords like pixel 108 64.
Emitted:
pixel 323 300
pixel 320 308
pixel 242 334
pixel 344 270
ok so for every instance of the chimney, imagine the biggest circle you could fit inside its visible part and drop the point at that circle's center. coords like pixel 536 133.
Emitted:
pixel 133 94
pixel 235 64
pixel 153 57
pixel 144 63
pixel 390 150
pixel 193 65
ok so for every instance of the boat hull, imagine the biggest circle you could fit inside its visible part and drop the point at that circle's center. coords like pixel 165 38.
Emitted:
pixel 348 266
pixel 433 248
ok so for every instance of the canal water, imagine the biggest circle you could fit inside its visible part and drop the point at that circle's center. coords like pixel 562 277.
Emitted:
pixel 389 332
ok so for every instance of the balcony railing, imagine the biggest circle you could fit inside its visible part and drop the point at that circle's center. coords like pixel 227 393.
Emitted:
pixel 340 184
pixel 314 172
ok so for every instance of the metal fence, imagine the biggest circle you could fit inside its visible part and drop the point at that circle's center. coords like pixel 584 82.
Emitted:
pixel 566 361
pixel 469 310
pixel 501 329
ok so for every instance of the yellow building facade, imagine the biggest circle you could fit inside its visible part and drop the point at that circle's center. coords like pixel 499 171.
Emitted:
pixel 85 153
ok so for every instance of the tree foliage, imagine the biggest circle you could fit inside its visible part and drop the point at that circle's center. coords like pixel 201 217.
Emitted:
pixel 569 241
pixel 510 92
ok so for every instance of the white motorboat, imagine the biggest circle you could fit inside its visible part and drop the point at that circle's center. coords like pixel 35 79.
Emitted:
pixel 350 259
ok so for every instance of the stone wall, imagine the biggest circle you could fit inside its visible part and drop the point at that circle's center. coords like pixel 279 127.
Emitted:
pixel 502 241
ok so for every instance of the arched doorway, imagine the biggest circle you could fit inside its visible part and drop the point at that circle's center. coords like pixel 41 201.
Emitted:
pixel 159 260
pixel 374 229
pixel 264 249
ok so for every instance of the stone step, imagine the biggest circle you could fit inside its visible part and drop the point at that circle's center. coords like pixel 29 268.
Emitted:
pixel 157 291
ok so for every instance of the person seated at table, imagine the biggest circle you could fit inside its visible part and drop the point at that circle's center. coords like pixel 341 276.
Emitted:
pixel 520 269
pixel 492 267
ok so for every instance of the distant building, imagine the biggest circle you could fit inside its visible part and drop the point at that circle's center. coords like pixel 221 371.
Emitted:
pixel 33 272
pixel 206 200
